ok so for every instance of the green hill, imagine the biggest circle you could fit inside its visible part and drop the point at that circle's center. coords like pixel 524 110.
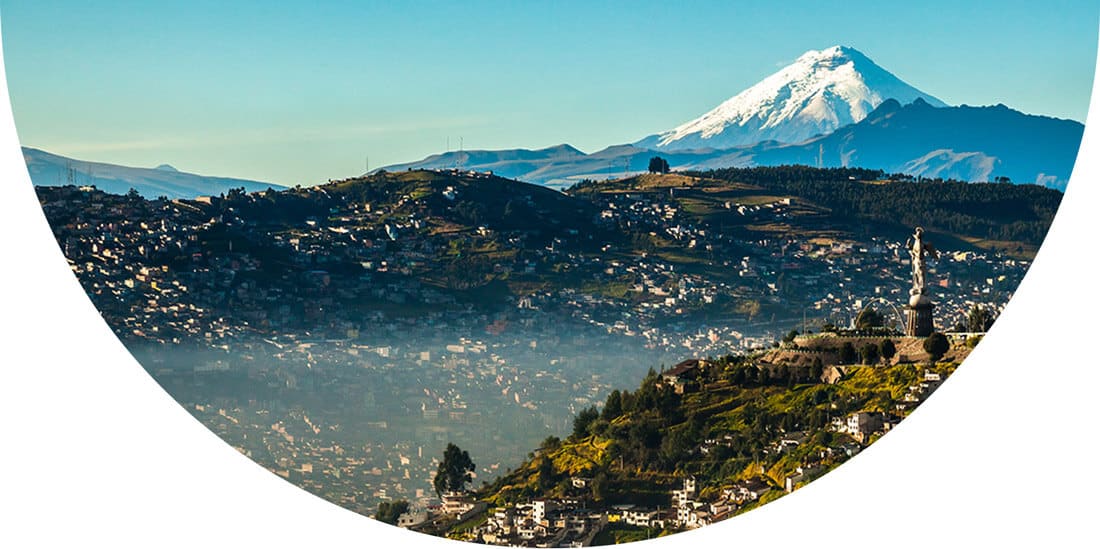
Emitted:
pixel 726 427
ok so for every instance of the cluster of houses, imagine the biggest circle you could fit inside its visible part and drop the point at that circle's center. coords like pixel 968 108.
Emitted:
pixel 119 248
pixel 542 523
pixel 839 278
pixel 916 394
pixel 572 522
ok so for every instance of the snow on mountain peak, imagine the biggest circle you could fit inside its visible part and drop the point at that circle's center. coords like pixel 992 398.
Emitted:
pixel 817 93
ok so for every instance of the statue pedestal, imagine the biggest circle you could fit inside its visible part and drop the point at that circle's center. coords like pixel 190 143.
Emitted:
pixel 918 317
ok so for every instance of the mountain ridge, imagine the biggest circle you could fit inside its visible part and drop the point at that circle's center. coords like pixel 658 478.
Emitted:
pixel 47 169
pixel 965 143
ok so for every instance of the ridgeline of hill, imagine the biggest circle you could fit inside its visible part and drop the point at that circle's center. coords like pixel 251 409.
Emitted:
pixel 853 203
pixel 975 212
pixel 47 169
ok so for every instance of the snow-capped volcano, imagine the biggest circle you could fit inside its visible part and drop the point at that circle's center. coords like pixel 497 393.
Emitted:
pixel 818 93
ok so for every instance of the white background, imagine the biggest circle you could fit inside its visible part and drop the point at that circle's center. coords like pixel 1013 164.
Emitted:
pixel 93 452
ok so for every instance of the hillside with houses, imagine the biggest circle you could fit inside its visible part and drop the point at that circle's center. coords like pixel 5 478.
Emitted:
pixel 698 443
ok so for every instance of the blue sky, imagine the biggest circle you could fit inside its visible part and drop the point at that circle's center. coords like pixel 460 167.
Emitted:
pixel 289 92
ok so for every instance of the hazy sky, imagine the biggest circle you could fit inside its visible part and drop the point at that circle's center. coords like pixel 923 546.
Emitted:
pixel 291 92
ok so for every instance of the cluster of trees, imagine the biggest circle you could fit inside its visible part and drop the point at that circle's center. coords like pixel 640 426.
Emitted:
pixel 647 438
pixel 650 397
pixel 869 318
pixel 1020 213
pixel 868 353
pixel 748 375
pixel 935 345
pixel 658 165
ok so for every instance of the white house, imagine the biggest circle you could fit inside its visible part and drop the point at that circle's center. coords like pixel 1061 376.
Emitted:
pixel 412 517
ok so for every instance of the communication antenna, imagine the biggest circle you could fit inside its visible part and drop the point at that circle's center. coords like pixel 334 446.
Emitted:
pixel 367 160
pixel 72 174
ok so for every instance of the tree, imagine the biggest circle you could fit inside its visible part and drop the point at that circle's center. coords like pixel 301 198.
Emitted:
pixel 546 473
pixel 674 448
pixel 696 423
pixel 784 373
pixel 388 512
pixel 454 471
pixel 762 375
pixel 868 319
pixel 817 370
pixel 613 408
pixel 887 349
pixel 978 319
pixel 658 165
pixel 847 353
pixel 936 345
pixel 644 434
pixel 868 353
pixel 600 485
pixel 584 418
pixel 599 427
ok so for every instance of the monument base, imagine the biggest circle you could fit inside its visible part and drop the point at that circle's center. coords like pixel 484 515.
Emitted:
pixel 918 319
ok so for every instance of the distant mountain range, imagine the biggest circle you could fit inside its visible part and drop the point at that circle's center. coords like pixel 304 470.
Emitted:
pixel 967 143
pixel 48 169
pixel 830 108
